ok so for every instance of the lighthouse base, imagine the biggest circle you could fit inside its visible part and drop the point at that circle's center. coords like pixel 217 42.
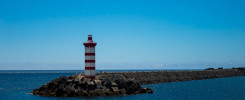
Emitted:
pixel 91 77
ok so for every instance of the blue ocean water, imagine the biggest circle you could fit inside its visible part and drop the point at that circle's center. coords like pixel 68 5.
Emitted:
pixel 16 85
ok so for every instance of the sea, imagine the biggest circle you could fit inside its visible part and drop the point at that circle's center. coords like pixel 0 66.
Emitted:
pixel 17 85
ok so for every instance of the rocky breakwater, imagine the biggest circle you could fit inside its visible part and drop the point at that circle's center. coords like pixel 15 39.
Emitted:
pixel 153 77
pixel 103 85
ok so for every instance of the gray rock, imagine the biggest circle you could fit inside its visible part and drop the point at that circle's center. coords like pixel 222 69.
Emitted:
pixel 114 89
pixel 69 80
pixel 113 84
pixel 122 91
pixel 105 90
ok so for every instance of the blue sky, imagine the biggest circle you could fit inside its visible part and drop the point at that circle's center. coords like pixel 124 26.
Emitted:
pixel 139 34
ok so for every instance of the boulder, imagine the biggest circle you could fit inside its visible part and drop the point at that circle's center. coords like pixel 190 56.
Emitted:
pixel 115 89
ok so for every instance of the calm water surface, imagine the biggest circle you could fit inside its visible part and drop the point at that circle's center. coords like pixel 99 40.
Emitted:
pixel 16 85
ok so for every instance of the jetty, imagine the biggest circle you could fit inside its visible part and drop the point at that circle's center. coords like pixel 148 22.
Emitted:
pixel 153 77
pixel 125 83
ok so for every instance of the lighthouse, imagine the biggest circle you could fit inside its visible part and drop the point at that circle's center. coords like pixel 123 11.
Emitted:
pixel 90 57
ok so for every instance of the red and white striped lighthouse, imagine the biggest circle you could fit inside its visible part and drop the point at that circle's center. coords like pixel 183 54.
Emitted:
pixel 90 57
